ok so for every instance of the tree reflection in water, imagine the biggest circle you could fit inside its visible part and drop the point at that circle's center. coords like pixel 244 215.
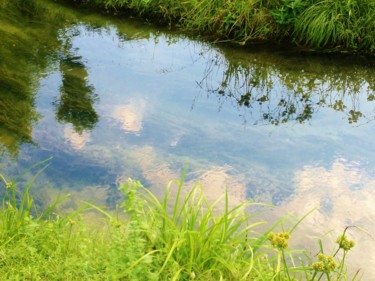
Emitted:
pixel 75 104
pixel 24 59
pixel 24 56
pixel 283 93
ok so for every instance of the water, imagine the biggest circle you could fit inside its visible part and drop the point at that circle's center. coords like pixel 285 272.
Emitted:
pixel 110 99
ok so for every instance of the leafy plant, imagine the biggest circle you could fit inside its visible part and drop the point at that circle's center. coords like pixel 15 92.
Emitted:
pixel 183 236
pixel 288 11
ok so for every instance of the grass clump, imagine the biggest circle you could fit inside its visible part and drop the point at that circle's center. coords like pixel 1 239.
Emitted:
pixel 338 25
pixel 179 238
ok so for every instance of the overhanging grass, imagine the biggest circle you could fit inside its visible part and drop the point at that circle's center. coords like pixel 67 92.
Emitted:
pixel 183 238
pixel 335 25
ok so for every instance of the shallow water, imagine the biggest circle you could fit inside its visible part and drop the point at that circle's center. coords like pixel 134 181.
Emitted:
pixel 110 99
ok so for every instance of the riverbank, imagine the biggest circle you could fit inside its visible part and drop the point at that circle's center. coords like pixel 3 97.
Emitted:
pixel 49 94
pixel 181 237
pixel 334 26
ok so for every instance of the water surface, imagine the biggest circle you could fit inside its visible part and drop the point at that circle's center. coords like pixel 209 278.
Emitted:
pixel 110 99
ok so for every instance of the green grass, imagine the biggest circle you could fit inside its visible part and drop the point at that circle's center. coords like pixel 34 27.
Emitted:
pixel 335 25
pixel 346 23
pixel 181 237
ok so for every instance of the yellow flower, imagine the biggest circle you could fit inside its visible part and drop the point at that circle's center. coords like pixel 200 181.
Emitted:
pixel 318 266
pixel 10 185
pixel 325 263
pixel 279 240
pixel 344 242
pixel 271 236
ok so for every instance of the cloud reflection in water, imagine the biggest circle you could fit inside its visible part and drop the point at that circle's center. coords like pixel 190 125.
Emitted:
pixel 346 197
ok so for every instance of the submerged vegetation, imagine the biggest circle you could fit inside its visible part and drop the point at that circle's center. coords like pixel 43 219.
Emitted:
pixel 181 237
pixel 329 24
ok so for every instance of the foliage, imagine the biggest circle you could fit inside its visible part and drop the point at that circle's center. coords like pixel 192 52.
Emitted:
pixel 340 24
pixel 286 15
pixel 288 11
pixel 179 238
pixel 236 20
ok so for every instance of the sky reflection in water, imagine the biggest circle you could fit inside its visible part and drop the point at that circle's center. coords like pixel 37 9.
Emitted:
pixel 292 130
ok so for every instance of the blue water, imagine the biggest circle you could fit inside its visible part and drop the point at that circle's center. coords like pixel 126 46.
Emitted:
pixel 121 100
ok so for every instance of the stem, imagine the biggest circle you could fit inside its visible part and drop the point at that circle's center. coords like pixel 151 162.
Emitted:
pixel 285 265
pixel 321 275
pixel 341 266
pixel 278 263
pixel 313 277
pixel 4 180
